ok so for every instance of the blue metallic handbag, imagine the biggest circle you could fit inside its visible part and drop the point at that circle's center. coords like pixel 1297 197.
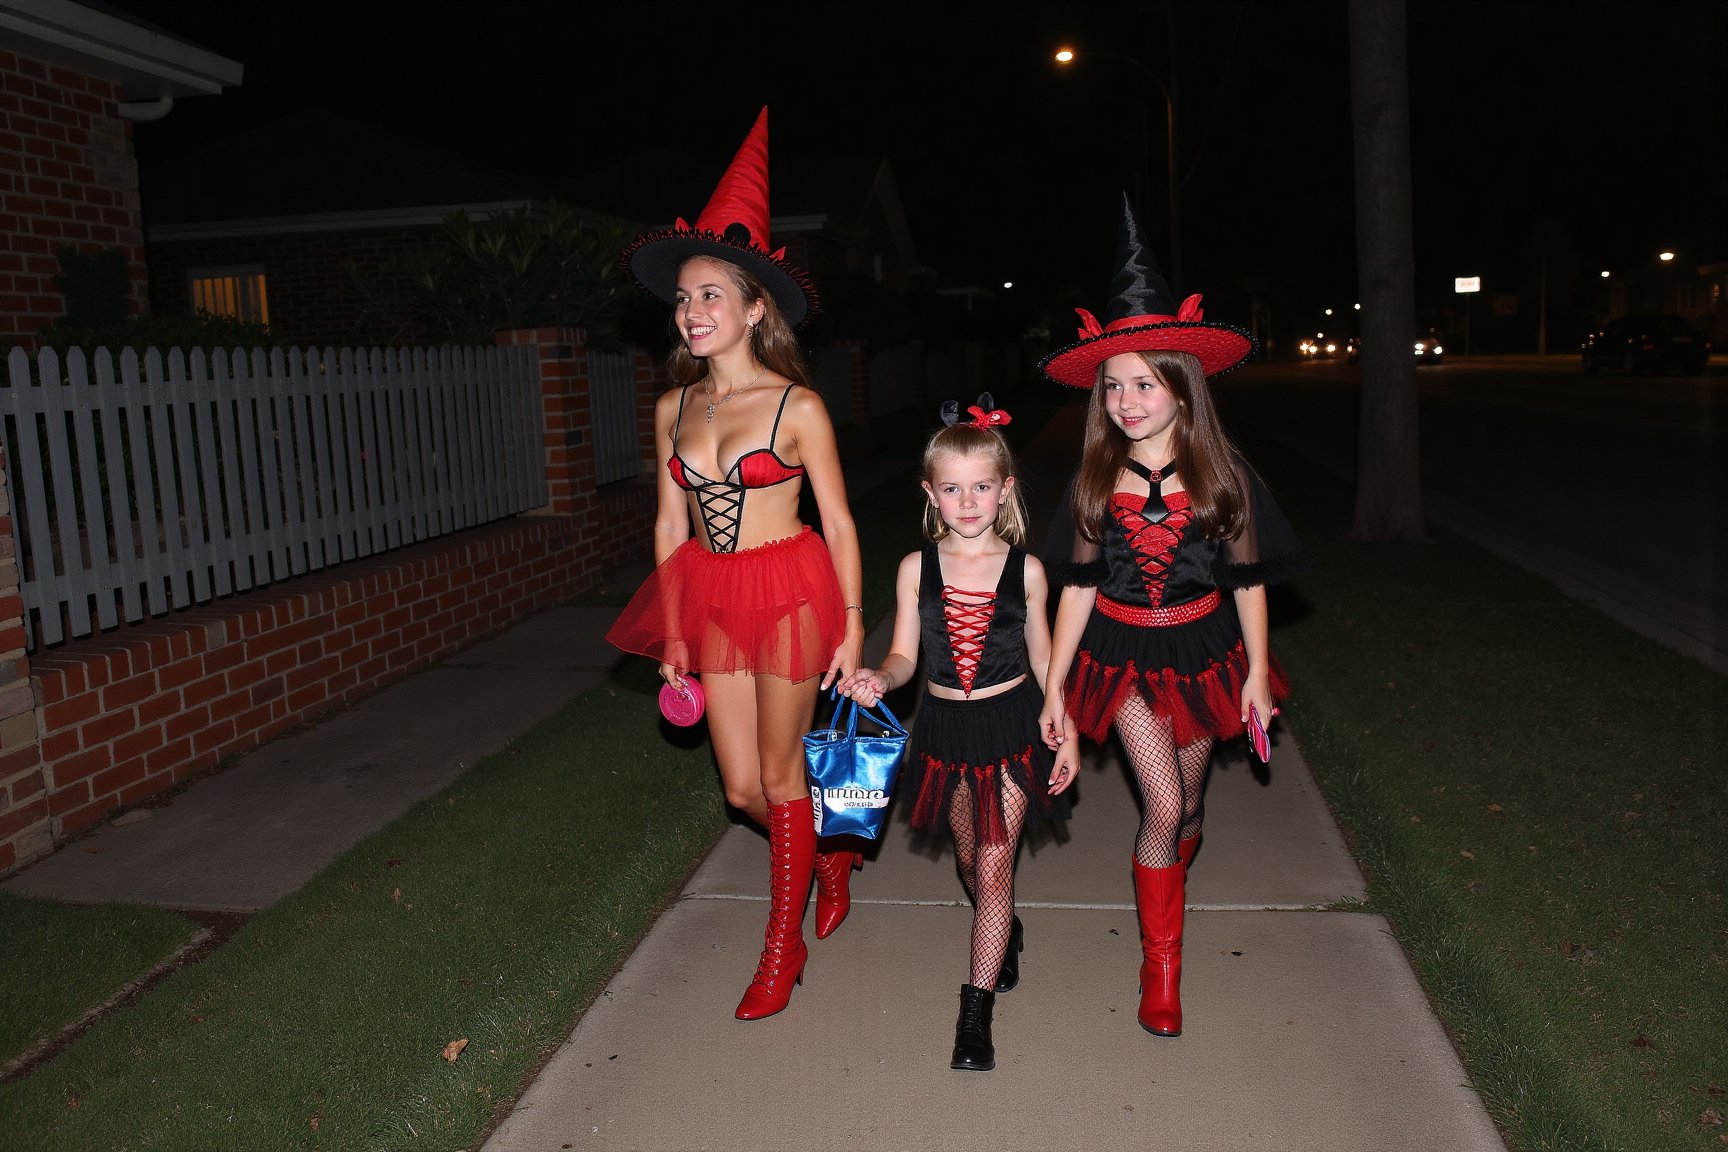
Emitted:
pixel 851 774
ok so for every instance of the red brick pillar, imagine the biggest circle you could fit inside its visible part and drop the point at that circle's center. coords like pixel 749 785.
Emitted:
pixel 25 832
pixel 567 403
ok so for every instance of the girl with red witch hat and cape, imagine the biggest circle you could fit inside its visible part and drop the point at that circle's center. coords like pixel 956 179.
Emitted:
pixel 1164 545
pixel 744 594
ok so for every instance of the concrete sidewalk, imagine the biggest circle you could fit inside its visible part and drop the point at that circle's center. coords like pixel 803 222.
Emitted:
pixel 1304 1027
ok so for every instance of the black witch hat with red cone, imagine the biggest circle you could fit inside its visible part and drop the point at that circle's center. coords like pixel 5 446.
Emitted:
pixel 1143 317
pixel 733 227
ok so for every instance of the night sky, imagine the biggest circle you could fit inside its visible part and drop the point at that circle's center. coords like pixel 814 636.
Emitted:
pixel 1601 125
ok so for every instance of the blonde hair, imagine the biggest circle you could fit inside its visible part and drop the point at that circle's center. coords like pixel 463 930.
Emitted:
pixel 967 440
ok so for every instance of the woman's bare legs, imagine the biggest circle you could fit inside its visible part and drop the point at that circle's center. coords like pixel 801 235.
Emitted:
pixel 757 724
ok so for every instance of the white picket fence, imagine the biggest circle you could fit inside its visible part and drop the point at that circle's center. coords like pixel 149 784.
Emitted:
pixel 141 485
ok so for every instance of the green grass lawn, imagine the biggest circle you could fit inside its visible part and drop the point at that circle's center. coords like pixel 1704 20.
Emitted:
pixel 63 960
pixel 1537 796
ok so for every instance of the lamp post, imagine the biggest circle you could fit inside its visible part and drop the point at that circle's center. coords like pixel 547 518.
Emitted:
pixel 1066 55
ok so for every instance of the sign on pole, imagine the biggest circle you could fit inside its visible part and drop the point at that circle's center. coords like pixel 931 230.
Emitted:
pixel 1467 284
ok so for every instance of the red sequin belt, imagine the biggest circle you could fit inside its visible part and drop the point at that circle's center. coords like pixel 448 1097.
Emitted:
pixel 1159 617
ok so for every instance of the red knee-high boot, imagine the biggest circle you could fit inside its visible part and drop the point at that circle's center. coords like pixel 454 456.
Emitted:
pixel 1186 848
pixel 1158 893
pixel 791 858
pixel 834 889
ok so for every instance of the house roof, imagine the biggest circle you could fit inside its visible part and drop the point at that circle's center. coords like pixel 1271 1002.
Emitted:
pixel 318 161
pixel 107 41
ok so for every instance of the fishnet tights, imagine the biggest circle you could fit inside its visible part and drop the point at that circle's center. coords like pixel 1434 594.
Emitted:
pixel 987 871
pixel 1171 780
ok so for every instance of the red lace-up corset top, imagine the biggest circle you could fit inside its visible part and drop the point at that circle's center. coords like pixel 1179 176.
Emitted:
pixel 721 502
pixel 973 640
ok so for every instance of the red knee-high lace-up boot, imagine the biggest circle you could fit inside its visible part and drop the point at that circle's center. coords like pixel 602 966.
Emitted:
pixel 1158 893
pixel 834 889
pixel 791 859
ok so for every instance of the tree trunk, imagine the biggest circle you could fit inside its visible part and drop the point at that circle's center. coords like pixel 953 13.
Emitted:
pixel 1388 477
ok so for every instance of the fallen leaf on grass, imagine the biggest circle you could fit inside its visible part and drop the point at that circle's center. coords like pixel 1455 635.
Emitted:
pixel 1710 1118
pixel 317 1118
pixel 1466 853
pixel 1713 1090
pixel 1642 1041
pixel 1494 808
pixel 454 1049
pixel 396 895
pixel 1567 947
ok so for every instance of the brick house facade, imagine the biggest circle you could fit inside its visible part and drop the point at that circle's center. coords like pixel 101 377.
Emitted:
pixel 72 82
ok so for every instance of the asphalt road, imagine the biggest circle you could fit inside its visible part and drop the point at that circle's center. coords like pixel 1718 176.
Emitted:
pixel 1616 482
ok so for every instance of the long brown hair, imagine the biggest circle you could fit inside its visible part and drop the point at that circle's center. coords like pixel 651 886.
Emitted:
pixel 1205 457
pixel 771 341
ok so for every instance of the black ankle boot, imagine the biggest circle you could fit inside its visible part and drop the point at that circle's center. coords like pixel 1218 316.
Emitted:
pixel 1010 972
pixel 973 1048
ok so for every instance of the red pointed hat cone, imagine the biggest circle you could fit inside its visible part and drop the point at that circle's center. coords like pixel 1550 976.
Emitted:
pixel 733 227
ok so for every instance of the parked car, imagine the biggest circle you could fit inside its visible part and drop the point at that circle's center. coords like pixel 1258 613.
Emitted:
pixel 1429 348
pixel 1647 344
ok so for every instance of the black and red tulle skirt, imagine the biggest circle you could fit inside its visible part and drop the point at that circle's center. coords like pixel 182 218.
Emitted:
pixel 971 752
pixel 772 610
pixel 1189 673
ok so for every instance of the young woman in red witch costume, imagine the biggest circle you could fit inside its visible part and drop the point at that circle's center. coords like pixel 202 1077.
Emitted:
pixel 975 602
pixel 763 609
pixel 1161 626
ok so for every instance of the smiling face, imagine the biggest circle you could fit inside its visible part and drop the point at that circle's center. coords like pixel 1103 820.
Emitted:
pixel 967 490
pixel 1139 402
pixel 712 310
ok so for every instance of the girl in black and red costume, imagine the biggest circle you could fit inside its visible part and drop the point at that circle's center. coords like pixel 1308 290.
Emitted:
pixel 976 604
pixel 743 592
pixel 1167 541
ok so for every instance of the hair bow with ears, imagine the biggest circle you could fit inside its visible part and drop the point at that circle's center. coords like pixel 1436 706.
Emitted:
pixel 984 414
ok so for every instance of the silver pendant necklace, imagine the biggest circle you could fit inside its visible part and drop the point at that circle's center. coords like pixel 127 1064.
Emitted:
pixel 713 403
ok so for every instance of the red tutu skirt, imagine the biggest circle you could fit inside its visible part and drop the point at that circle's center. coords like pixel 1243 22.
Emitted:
pixel 1190 674
pixel 774 610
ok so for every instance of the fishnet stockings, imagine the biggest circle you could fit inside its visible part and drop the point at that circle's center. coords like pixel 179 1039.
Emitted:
pixel 1171 781
pixel 987 871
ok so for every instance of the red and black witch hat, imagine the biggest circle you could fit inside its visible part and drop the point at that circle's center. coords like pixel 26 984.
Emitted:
pixel 1143 317
pixel 734 228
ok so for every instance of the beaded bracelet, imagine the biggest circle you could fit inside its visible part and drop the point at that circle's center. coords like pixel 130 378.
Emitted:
pixel 859 608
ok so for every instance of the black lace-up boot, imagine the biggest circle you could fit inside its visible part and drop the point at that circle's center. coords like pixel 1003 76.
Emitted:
pixel 973 1048
pixel 1009 975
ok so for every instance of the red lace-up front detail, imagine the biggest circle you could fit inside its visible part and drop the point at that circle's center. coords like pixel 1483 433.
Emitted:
pixel 1154 544
pixel 968 615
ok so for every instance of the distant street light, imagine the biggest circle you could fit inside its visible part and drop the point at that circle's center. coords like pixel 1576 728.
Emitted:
pixel 1066 55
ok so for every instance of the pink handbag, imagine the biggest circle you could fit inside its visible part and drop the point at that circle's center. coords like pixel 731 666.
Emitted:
pixel 683 708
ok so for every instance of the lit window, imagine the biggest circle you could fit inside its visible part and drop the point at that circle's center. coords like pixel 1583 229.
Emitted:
pixel 235 292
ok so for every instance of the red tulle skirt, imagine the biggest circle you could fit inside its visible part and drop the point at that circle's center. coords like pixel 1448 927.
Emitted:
pixel 1190 674
pixel 773 610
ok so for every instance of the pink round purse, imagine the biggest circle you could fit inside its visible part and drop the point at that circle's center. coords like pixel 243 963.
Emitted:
pixel 682 708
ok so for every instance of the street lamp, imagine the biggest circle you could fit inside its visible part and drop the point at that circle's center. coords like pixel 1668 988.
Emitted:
pixel 1066 55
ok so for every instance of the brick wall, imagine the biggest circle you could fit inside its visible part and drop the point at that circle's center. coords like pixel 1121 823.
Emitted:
pixel 304 278
pixel 128 714
pixel 67 176
pixel 98 724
